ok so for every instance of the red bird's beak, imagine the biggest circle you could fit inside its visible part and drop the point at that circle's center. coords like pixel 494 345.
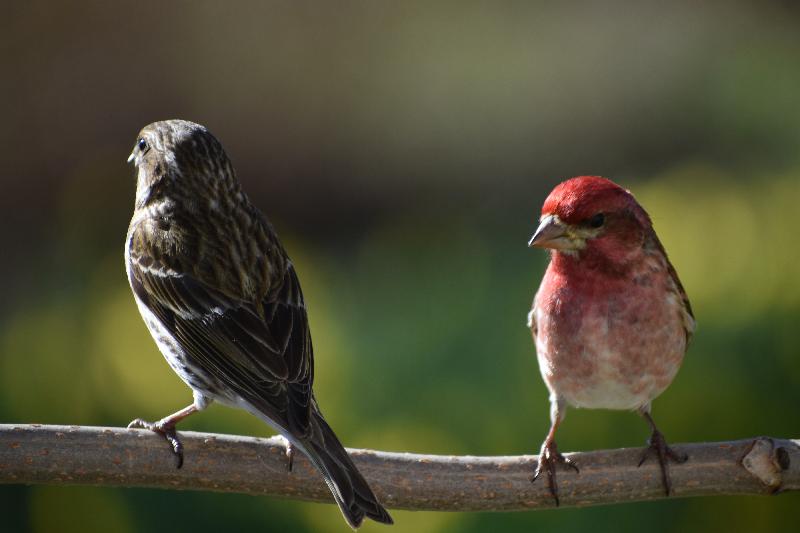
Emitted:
pixel 551 233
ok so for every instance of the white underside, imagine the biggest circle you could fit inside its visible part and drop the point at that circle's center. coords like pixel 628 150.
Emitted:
pixel 608 386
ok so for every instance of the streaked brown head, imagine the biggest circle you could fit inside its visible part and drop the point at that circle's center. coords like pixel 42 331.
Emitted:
pixel 178 154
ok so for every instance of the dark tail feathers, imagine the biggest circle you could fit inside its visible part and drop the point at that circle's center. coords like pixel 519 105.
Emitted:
pixel 350 490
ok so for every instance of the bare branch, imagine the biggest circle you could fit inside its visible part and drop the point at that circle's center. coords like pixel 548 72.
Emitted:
pixel 137 458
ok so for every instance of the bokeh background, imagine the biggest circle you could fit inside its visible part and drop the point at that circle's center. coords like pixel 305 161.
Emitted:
pixel 402 150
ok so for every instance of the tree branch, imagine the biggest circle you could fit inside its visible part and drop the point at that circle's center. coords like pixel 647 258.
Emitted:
pixel 74 455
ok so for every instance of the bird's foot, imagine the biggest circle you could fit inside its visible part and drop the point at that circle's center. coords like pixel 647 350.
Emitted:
pixel 289 452
pixel 165 428
pixel 657 445
pixel 549 457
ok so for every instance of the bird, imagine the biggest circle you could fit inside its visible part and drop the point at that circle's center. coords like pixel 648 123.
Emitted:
pixel 611 321
pixel 222 300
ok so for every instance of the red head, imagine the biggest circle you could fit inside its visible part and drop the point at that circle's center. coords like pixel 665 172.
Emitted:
pixel 593 214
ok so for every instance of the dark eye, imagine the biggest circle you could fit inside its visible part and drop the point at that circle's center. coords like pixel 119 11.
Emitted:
pixel 142 144
pixel 597 221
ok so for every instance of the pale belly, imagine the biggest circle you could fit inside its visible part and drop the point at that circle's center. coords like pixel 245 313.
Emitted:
pixel 604 357
pixel 171 350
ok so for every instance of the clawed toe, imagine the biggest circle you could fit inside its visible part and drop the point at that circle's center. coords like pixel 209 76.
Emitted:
pixel 165 430
pixel 571 464
pixel 289 452
pixel 138 423
pixel 676 456
pixel 289 455
pixel 549 458
pixel 657 445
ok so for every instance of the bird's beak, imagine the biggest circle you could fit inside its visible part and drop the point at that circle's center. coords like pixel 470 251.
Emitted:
pixel 552 233
pixel 132 156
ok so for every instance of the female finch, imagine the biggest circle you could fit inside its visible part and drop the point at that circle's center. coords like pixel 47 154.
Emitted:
pixel 222 301
pixel 611 321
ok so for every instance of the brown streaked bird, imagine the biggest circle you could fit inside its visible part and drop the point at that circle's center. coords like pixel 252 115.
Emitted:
pixel 611 321
pixel 222 301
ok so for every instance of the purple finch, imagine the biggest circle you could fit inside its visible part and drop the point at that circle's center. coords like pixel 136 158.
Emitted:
pixel 611 320
pixel 223 303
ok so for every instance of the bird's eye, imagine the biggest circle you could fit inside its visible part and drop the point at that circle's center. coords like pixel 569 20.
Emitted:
pixel 142 144
pixel 597 221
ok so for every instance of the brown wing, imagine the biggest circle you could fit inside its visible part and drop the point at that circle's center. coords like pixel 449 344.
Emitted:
pixel 687 315
pixel 263 355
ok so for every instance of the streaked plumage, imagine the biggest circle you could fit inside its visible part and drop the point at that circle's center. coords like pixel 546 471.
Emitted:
pixel 611 320
pixel 222 300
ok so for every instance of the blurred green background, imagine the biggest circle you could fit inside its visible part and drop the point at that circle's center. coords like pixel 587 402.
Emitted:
pixel 403 150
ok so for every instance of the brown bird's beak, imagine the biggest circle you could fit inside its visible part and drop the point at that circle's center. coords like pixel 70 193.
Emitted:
pixel 132 157
pixel 551 233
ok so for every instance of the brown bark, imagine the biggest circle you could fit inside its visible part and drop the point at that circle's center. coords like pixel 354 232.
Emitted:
pixel 73 455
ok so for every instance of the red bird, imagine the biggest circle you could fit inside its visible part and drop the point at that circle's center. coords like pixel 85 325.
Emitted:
pixel 611 320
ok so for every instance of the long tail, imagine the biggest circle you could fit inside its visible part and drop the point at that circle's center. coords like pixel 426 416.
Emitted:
pixel 350 490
